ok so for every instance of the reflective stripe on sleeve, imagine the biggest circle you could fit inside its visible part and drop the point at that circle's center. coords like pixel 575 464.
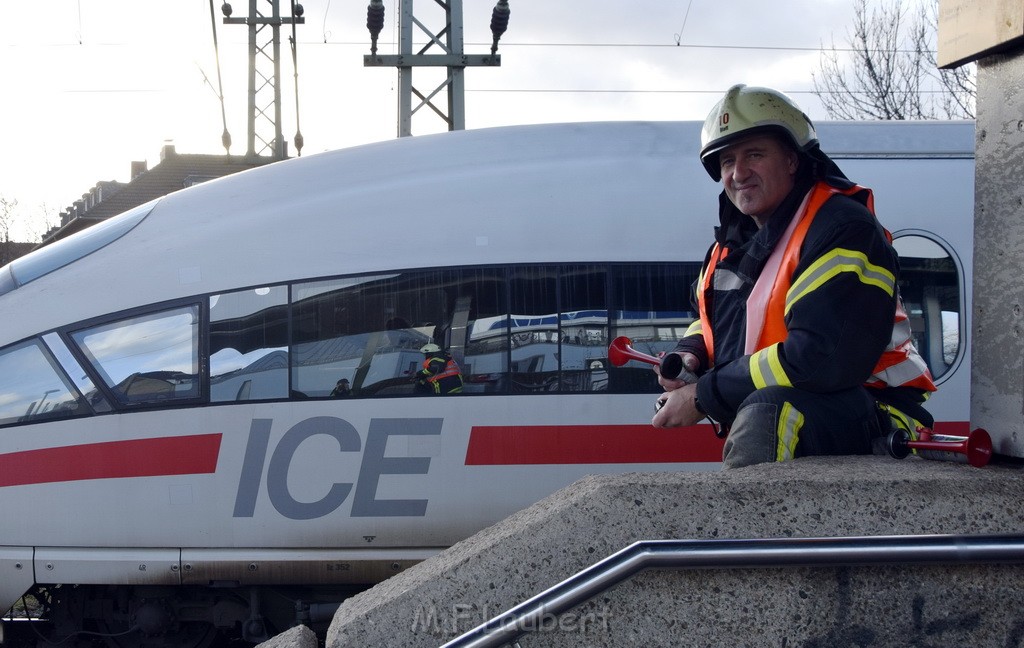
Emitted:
pixel 766 369
pixel 833 263
pixel 695 328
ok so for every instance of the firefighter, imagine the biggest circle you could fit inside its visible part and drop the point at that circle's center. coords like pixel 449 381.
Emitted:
pixel 802 346
pixel 440 374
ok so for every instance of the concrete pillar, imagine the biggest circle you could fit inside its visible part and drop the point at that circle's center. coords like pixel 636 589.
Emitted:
pixel 997 371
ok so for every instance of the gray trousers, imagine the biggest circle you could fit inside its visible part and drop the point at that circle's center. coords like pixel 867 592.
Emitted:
pixel 780 423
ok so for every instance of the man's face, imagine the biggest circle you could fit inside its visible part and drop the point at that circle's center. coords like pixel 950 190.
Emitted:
pixel 757 174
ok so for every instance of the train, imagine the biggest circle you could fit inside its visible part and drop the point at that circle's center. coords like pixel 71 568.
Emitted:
pixel 176 463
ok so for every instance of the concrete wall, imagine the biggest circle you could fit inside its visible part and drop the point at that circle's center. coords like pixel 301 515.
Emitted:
pixel 997 371
pixel 869 606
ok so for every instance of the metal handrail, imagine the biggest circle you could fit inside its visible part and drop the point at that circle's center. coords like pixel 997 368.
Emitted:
pixel 731 554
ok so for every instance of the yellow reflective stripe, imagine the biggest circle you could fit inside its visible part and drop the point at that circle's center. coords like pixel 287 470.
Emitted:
pixel 766 369
pixel 901 421
pixel 791 421
pixel 831 264
pixel 695 328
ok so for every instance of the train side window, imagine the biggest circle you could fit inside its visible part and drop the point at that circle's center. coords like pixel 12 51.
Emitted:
pixel 249 345
pixel 478 335
pixel 533 329
pixel 148 358
pixel 366 330
pixel 74 371
pixel 32 388
pixel 583 317
pixel 559 328
pixel 930 286
pixel 651 306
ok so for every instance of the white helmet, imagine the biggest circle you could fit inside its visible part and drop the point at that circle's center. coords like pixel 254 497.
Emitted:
pixel 427 349
pixel 748 111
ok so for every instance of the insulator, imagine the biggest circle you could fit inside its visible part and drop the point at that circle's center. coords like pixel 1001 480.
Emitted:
pixel 499 22
pixel 499 18
pixel 375 17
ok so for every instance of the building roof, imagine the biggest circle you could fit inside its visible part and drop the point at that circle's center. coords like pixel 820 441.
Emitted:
pixel 174 171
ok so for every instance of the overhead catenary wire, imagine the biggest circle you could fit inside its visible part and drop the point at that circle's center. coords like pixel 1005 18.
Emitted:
pixel 513 44
pixel 679 36
pixel 225 137
pixel 296 12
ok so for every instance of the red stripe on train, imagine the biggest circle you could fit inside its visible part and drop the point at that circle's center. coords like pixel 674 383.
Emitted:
pixel 188 455
pixel 507 445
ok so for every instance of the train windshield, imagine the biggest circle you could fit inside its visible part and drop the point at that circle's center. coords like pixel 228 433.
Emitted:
pixel 57 255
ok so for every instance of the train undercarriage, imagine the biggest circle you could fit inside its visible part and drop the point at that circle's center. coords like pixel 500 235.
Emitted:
pixel 166 616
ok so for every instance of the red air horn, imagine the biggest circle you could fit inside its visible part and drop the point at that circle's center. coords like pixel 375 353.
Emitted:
pixel 621 351
pixel 976 447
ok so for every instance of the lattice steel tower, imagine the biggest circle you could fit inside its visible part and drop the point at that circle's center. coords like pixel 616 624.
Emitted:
pixel 450 40
pixel 264 22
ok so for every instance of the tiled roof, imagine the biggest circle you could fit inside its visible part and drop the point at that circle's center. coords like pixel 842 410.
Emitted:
pixel 175 171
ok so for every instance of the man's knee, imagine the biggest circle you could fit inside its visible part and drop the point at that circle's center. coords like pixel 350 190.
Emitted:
pixel 752 438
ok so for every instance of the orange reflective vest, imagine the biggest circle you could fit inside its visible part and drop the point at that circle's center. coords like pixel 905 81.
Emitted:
pixel 900 363
pixel 446 381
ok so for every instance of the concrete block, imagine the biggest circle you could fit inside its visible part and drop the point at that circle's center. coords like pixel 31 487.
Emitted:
pixel 297 637
pixel 538 547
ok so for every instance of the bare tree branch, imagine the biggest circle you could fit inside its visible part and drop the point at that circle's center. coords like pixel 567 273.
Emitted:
pixel 892 71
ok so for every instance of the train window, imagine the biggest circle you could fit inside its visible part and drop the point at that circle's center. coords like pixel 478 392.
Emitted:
pixel 368 331
pixel 651 306
pixel 930 286
pixel 74 371
pixel 478 335
pixel 583 316
pixel 533 329
pixel 249 345
pixel 559 329
pixel 149 358
pixel 33 388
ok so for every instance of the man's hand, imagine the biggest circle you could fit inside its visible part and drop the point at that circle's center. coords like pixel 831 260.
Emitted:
pixel 677 408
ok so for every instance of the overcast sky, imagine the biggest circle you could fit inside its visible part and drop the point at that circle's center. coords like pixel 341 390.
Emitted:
pixel 91 85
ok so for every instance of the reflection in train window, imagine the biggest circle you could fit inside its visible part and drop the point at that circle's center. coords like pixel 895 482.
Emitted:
pixel 32 388
pixel 652 307
pixel 354 329
pixel 74 371
pixel 533 329
pixel 559 329
pixel 512 329
pixel 147 359
pixel 930 287
pixel 583 316
pixel 369 330
pixel 249 345
pixel 478 334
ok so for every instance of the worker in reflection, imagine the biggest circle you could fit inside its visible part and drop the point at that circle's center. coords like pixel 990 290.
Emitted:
pixel 440 374
pixel 342 389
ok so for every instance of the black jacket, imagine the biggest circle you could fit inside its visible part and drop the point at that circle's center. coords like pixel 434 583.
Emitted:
pixel 836 332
